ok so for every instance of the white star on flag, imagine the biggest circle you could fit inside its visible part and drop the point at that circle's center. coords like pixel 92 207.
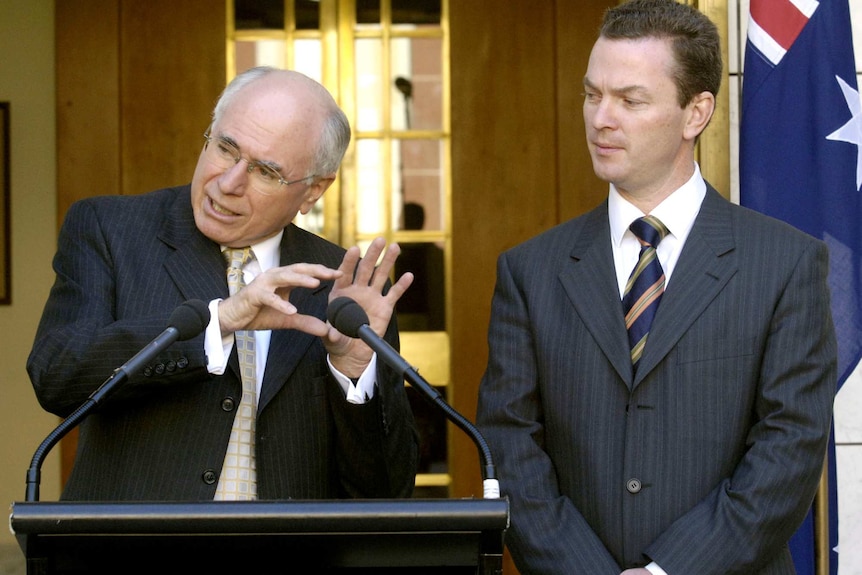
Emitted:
pixel 851 132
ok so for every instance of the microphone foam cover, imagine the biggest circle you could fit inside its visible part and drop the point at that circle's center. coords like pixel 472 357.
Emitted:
pixel 190 318
pixel 346 316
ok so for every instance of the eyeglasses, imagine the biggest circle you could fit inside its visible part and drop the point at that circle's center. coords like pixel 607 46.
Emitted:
pixel 264 179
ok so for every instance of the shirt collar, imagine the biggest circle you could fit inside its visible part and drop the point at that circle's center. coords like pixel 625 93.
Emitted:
pixel 677 212
pixel 268 252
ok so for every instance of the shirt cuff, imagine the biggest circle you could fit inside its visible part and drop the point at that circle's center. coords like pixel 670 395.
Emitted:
pixel 216 347
pixel 655 569
pixel 362 390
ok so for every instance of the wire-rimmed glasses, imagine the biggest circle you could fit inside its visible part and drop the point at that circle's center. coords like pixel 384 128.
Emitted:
pixel 264 179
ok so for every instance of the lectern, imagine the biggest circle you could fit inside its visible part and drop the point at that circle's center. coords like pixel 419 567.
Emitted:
pixel 401 536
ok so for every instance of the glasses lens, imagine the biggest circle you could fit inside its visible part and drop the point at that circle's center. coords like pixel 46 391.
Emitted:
pixel 222 154
pixel 225 155
pixel 264 179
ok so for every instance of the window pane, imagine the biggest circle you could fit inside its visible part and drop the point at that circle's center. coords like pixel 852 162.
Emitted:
pixel 308 58
pixel 259 53
pixel 422 307
pixel 370 208
pixel 417 87
pixel 259 14
pixel 313 220
pixel 417 178
pixel 307 14
pixel 368 11
pixel 369 113
pixel 431 425
pixel 416 12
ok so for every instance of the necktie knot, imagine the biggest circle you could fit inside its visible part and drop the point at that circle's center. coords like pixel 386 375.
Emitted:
pixel 649 230
pixel 236 258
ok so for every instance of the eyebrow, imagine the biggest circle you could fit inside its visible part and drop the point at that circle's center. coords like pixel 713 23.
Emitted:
pixel 624 91
pixel 268 163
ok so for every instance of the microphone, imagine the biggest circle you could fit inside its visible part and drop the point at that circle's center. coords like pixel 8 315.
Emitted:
pixel 349 318
pixel 186 321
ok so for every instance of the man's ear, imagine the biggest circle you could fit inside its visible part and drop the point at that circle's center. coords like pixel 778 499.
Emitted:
pixel 700 111
pixel 315 192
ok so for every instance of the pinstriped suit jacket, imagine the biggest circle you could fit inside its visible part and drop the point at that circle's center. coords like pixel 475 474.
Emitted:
pixel 708 459
pixel 123 265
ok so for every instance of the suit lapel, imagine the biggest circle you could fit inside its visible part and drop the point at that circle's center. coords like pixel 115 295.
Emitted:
pixel 705 266
pixel 591 285
pixel 288 346
pixel 196 265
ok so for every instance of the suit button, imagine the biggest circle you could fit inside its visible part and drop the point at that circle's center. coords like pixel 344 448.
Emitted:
pixel 633 485
pixel 148 371
pixel 183 362
pixel 171 366
pixel 160 369
pixel 209 476
pixel 228 404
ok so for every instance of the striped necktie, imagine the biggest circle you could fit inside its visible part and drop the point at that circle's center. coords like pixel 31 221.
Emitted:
pixel 238 479
pixel 645 286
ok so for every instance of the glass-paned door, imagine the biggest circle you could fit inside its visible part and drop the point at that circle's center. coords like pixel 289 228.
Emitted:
pixel 386 63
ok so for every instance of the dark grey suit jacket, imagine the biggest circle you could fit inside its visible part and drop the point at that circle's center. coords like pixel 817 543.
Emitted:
pixel 123 265
pixel 708 459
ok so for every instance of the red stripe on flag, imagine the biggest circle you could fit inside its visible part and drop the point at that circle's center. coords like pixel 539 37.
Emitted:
pixel 780 19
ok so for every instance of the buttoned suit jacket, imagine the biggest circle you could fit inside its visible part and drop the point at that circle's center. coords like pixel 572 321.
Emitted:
pixel 707 459
pixel 124 263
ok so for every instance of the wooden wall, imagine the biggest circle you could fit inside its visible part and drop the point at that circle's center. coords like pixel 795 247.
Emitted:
pixel 134 79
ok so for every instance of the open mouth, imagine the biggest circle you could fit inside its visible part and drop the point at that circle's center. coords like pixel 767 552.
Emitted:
pixel 219 209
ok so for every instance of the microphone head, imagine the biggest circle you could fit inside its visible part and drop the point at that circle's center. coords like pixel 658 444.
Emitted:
pixel 346 316
pixel 190 318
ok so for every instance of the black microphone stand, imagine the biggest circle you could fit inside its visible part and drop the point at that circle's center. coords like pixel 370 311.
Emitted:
pixel 34 472
pixel 490 484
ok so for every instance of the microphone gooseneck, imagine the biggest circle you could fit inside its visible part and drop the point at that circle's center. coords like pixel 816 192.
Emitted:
pixel 186 321
pixel 349 318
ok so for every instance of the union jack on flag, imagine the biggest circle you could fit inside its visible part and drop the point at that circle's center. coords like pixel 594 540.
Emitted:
pixel 775 25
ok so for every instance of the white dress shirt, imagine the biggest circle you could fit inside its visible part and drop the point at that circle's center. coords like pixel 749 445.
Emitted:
pixel 677 212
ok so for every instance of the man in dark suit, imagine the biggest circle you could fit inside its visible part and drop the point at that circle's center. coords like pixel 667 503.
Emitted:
pixel 695 446
pixel 331 421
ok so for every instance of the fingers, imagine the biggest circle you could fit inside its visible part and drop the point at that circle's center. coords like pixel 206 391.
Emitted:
pixel 348 266
pixel 400 286
pixel 264 303
pixel 274 286
pixel 365 270
pixel 299 275
pixel 309 324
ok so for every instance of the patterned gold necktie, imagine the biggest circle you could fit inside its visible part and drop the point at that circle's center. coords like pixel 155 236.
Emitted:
pixel 238 479
pixel 645 286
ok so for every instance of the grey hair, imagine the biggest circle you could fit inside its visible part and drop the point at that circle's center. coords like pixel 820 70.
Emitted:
pixel 335 135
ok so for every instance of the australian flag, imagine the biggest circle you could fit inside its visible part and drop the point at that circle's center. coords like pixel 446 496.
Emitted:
pixel 801 162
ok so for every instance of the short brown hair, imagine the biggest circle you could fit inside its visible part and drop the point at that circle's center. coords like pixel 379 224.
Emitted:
pixel 694 39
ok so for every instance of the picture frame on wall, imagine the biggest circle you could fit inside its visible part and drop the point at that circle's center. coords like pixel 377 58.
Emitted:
pixel 5 192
